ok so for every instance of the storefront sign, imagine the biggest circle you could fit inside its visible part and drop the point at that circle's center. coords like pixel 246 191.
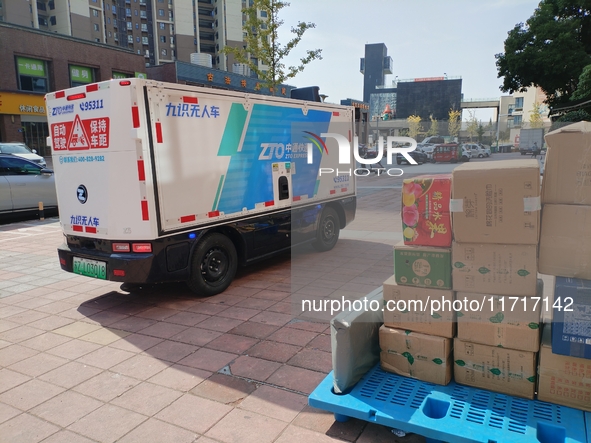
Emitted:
pixel 16 104
pixel 141 75
pixel 80 74
pixel 118 75
pixel 30 66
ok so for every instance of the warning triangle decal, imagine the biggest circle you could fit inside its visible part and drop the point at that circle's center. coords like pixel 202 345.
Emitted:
pixel 78 138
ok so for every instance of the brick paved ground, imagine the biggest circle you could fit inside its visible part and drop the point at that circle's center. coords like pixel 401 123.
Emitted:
pixel 83 361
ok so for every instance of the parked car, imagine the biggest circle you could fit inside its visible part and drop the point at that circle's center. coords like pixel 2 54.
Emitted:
pixel 418 156
pixel 427 150
pixel 477 150
pixel 22 150
pixel 486 149
pixel 24 184
pixel 451 152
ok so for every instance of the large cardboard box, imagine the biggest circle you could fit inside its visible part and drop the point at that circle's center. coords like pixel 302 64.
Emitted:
pixel 503 370
pixel 421 356
pixel 426 220
pixel 571 323
pixel 565 241
pixel 567 169
pixel 495 269
pixel 429 311
pixel 422 266
pixel 496 202
pixel 500 320
pixel 563 380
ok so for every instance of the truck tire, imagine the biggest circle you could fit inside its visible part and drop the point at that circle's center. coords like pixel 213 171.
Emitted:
pixel 213 265
pixel 327 234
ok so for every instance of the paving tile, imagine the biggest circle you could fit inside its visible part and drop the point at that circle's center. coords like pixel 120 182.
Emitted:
pixel 15 353
pixel 171 351
pixel 73 349
pixel 275 403
pixel 187 318
pixel 307 325
pixel 381 434
pixel 241 291
pixel 76 329
pixel 253 368
pixel 153 430
pixel 220 324
pixel 104 336
pixel 20 333
pixel 324 423
pixel 106 386
pixel 232 343
pixel 321 343
pixel 70 374
pixel 208 359
pixel 26 317
pixel 136 343
pixel 147 398
pixel 66 408
pixel 67 436
pixel 208 308
pixel 194 413
pixel 254 330
pixel 10 379
pixel 196 336
pixel 120 422
pixel 297 379
pixel 51 322
pixel 6 325
pixel 269 294
pixel 55 307
pixel 224 389
pixel 38 364
pixel 105 357
pixel 283 308
pixel 106 318
pixel 128 308
pixel 246 427
pixel 292 336
pixel 26 428
pixel 157 313
pixel 270 350
pixel 30 394
pixel 226 299
pixel 313 359
pixel 271 318
pixel 256 303
pixel 79 312
pixel 180 378
pixel 140 367
pixel 8 311
pixel 133 324
pixel 163 330
pixel 295 434
pixel 45 341
pixel 239 313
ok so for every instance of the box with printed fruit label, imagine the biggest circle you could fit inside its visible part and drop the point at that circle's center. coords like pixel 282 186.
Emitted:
pixel 426 220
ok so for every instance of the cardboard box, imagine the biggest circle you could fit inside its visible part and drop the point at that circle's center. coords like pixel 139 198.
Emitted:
pixel 500 320
pixel 408 307
pixel 422 266
pixel 571 324
pixel 567 169
pixel 421 356
pixel 503 370
pixel 563 380
pixel 565 241
pixel 495 269
pixel 496 202
pixel 426 220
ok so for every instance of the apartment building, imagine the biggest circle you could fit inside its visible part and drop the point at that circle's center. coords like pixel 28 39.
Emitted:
pixel 162 31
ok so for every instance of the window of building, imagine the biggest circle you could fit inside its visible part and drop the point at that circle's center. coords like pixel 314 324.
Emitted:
pixel 144 40
pixel 95 13
pixel 52 20
pixel 164 52
pixel 517 119
pixel 263 14
pixel 161 12
pixel 162 26
pixel 170 15
pixel 144 27
pixel 110 34
pixel 162 39
pixel 42 21
pixel 137 26
pixel 81 75
pixel 128 12
pixel 519 103
pixel 143 14
pixel 96 27
pixel 98 40
pixel 51 5
pixel 137 39
pixel 135 12
pixel 172 40
pixel 32 74
pixel 130 39
pixel 114 9
pixel 109 20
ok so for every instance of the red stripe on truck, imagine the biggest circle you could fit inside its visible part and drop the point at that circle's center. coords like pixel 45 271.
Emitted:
pixel 77 228
pixel 297 198
pixel 188 218
pixel 90 229
pixel 269 203
pixel 92 88
pixel 141 173
pixel 336 113
pixel 159 132
pixel 213 214
pixel 194 100
pixel 332 191
pixel 343 189
pixel 135 116
pixel 60 94
pixel 145 214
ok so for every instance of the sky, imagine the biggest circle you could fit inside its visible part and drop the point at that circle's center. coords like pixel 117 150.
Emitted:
pixel 425 38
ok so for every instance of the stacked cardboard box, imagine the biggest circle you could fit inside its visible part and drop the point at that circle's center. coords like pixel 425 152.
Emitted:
pixel 496 218
pixel 565 240
pixel 416 340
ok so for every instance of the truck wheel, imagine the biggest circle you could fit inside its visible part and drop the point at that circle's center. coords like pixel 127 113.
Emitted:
pixel 213 265
pixel 328 230
pixel 453 160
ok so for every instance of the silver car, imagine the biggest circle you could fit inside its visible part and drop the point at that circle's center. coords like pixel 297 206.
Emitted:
pixel 22 150
pixel 24 184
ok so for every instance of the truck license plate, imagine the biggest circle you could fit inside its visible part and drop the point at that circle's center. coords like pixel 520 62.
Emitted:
pixel 90 268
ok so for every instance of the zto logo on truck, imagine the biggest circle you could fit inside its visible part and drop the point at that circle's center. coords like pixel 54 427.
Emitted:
pixel 80 134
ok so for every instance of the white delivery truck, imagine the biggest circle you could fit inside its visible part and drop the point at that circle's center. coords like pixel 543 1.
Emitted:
pixel 161 182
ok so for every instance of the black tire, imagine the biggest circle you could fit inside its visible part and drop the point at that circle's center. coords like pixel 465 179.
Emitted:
pixel 433 160
pixel 480 155
pixel 328 230
pixel 213 265
pixel 453 160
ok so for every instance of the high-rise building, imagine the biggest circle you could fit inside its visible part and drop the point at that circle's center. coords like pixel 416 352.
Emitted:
pixel 160 30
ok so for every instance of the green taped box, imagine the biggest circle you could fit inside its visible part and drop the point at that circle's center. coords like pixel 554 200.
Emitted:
pixel 503 370
pixel 420 356
pixel 422 266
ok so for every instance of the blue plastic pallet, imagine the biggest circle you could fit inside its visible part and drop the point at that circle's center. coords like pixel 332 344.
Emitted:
pixel 452 413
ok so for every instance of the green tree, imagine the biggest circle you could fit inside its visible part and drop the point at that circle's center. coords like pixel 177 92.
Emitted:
pixel 453 123
pixel 414 126
pixel 535 116
pixel 472 127
pixel 550 50
pixel 480 131
pixel 584 86
pixel 262 44
pixel 434 127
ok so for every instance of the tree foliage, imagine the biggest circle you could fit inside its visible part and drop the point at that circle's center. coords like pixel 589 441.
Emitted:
pixel 535 116
pixel 550 50
pixel 434 127
pixel 453 123
pixel 262 43
pixel 584 86
pixel 414 126
pixel 472 127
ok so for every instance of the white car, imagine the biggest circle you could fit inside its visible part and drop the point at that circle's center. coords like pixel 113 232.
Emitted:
pixel 23 151
pixel 476 150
